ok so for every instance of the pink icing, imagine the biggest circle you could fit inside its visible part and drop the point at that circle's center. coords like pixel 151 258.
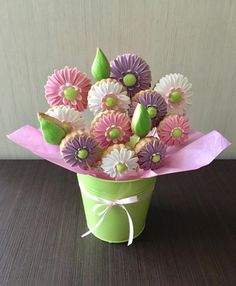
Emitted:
pixel 168 124
pixel 67 77
pixel 112 120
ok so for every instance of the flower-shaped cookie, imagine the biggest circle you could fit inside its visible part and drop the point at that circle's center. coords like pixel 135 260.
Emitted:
pixel 68 86
pixel 79 149
pixel 70 117
pixel 150 151
pixel 119 161
pixel 132 71
pixel 111 127
pixel 174 129
pixel 108 94
pixel 154 103
pixel 176 89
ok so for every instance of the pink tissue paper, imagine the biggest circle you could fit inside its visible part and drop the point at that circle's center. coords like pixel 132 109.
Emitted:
pixel 198 151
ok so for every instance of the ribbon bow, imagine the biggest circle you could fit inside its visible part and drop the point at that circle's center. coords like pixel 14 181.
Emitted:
pixel 108 206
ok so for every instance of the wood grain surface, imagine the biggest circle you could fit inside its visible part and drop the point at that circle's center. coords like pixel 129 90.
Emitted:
pixel 196 38
pixel 189 237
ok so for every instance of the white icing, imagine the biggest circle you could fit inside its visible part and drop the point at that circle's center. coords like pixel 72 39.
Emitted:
pixel 153 133
pixel 103 88
pixel 119 156
pixel 175 81
pixel 67 114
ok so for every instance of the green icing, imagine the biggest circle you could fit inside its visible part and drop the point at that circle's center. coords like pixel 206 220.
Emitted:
pixel 114 133
pixel 156 158
pixel 121 167
pixel 133 140
pixel 177 132
pixel 70 93
pixel 101 67
pixel 52 133
pixel 110 101
pixel 82 154
pixel 141 121
pixel 175 96
pixel 129 79
pixel 152 111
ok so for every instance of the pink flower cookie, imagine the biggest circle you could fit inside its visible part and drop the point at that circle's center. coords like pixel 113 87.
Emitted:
pixel 111 127
pixel 69 87
pixel 174 129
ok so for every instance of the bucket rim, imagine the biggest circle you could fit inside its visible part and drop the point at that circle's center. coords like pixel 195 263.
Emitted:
pixel 116 182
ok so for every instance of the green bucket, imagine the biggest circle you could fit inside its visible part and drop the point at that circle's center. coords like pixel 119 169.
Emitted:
pixel 115 227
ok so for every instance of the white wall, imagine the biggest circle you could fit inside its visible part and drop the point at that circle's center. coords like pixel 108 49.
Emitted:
pixel 196 38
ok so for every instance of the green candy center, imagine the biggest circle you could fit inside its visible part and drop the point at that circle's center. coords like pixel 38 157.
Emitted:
pixel 176 132
pixel 110 101
pixel 121 167
pixel 129 79
pixel 114 133
pixel 176 96
pixel 156 158
pixel 70 93
pixel 152 111
pixel 82 154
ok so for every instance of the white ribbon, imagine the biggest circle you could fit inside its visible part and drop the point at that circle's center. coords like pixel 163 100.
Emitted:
pixel 109 205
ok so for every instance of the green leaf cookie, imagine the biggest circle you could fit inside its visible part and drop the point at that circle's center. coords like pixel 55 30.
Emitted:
pixel 141 121
pixel 53 133
pixel 101 66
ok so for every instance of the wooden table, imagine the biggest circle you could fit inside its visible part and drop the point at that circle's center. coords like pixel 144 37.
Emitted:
pixel 189 237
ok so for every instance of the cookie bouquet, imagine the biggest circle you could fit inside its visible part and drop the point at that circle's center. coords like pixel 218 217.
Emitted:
pixel 138 131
